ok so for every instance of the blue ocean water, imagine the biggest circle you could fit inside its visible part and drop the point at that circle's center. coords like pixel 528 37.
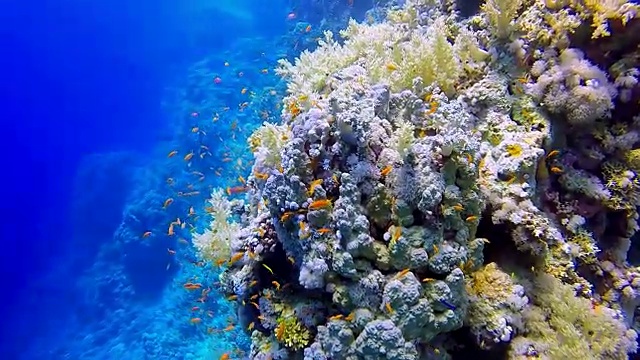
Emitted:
pixel 95 95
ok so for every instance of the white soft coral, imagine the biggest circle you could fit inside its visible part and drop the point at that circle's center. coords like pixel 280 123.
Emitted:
pixel 215 242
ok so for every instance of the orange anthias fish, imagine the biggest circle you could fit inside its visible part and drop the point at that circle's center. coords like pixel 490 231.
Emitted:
pixel 280 331
pixel 386 170
pixel 324 230
pixel 320 204
pixel 171 154
pixel 236 190
pixel 192 286
pixel 237 256
pixel 261 176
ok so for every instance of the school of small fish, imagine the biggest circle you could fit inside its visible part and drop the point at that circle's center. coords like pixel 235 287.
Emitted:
pixel 207 155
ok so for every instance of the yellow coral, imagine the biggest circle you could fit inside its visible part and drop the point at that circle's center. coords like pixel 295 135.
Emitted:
pixel 597 12
pixel 291 333
pixel 501 13
pixel 514 150
pixel 490 292
pixel 623 184
pixel 586 245
pixel 551 22
pixel 490 283
pixel 632 158
pixel 601 11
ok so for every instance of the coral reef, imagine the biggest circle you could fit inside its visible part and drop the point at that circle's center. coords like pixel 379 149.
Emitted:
pixel 433 175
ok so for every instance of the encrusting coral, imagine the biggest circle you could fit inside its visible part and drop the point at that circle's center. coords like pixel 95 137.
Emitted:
pixel 433 175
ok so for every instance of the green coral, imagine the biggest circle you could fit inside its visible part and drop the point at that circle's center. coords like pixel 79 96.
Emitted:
pixel 526 113
pixel 402 212
pixel 561 325
pixel 493 135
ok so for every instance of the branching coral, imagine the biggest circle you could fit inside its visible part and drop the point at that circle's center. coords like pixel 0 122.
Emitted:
pixel 601 12
pixel 632 158
pixel 624 186
pixel 585 246
pixel 501 13
pixel 403 138
pixel 562 326
pixel 291 332
pixel 552 22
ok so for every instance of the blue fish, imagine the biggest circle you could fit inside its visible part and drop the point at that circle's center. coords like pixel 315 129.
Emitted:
pixel 449 305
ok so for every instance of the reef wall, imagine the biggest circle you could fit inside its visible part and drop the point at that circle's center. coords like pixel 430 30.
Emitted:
pixel 441 185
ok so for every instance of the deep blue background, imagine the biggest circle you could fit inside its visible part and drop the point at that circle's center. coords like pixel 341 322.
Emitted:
pixel 72 83
pixel 80 77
